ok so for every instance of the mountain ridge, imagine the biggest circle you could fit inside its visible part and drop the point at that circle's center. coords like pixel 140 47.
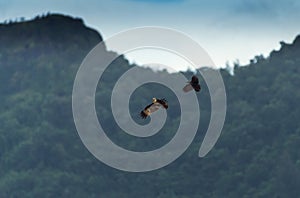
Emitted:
pixel 41 154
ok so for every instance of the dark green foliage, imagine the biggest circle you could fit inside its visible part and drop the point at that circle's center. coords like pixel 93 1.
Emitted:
pixel 41 154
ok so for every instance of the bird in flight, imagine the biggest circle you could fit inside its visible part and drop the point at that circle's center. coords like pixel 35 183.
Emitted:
pixel 193 84
pixel 154 106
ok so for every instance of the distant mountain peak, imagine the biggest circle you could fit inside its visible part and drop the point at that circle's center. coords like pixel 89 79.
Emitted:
pixel 50 27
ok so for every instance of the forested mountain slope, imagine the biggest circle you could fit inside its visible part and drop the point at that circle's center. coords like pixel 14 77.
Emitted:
pixel 41 154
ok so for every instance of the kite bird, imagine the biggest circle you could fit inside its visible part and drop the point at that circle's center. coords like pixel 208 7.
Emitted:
pixel 154 106
pixel 193 84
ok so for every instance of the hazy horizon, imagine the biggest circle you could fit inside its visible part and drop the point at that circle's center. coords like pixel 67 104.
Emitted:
pixel 231 31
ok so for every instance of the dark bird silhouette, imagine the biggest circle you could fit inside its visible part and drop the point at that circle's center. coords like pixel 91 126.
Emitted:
pixel 154 106
pixel 193 84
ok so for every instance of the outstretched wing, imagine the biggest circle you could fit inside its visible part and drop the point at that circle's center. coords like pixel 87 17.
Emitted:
pixel 195 80
pixel 149 109
pixel 144 114
pixel 154 107
pixel 197 87
pixel 163 102
pixel 195 83
pixel 187 88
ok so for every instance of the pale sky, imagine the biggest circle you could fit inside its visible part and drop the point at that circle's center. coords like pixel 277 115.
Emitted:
pixel 227 30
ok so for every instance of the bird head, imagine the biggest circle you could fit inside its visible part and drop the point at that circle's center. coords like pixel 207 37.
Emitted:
pixel 154 100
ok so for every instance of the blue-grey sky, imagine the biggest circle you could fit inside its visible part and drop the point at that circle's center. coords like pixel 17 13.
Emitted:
pixel 227 30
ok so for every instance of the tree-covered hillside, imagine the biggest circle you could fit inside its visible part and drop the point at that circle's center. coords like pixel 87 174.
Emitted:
pixel 41 154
